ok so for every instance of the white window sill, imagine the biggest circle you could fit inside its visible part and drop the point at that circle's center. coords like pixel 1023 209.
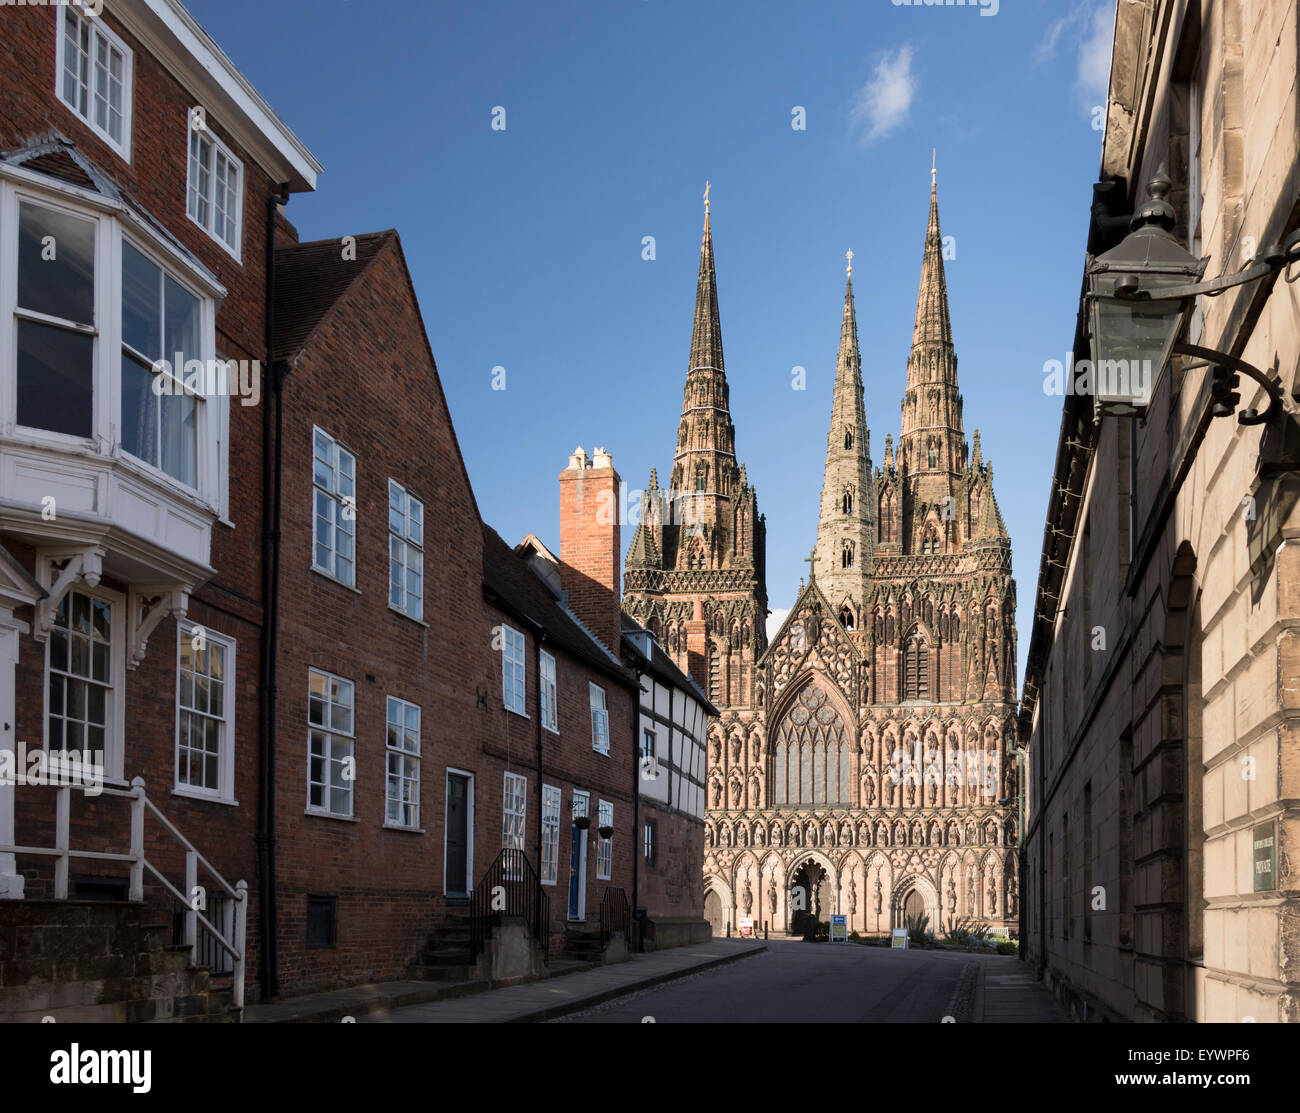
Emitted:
pixel 398 610
pixel 598 750
pixel 403 827
pixel 521 714
pixel 334 579
pixel 331 815
pixel 551 883
pixel 205 797
pixel 551 730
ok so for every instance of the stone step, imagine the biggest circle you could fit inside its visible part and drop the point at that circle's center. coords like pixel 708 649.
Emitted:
pixel 438 973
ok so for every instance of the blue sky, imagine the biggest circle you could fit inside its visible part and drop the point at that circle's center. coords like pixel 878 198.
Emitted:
pixel 526 244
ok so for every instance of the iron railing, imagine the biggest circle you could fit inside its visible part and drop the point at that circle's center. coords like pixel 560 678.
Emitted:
pixel 510 887
pixel 234 944
pixel 615 915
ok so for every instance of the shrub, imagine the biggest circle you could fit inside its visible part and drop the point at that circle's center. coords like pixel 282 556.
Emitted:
pixel 967 932
pixel 854 935
pixel 1006 948
pixel 916 930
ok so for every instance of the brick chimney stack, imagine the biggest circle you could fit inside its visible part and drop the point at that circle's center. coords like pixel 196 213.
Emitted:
pixel 590 549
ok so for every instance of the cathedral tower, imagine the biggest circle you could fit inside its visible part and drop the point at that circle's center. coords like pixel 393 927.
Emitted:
pixel 844 531
pixel 694 572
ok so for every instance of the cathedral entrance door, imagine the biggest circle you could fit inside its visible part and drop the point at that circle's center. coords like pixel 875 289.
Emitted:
pixel 809 896
pixel 913 906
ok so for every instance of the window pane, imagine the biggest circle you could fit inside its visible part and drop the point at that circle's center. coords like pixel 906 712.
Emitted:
pixel 142 304
pixel 55 379
pixel 180 323
pixel 180 436
pixel 56 264
pixel 139 411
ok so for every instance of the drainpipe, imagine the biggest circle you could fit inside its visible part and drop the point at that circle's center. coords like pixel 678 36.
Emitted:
pixel 539 636
pixel 638 844
pixel 272 427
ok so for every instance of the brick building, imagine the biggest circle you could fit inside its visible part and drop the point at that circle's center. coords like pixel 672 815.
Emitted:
pixel 1159 709
pixel 137 174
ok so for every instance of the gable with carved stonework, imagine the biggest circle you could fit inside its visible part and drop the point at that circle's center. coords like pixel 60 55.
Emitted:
pixel 811 639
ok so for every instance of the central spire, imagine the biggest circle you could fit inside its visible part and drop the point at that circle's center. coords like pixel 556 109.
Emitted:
pixel 844 536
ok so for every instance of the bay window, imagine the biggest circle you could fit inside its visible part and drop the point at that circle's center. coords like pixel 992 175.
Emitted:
pixel 113 331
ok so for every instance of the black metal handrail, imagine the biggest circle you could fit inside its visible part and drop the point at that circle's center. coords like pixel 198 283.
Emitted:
pixel 510 887
pixel 615 915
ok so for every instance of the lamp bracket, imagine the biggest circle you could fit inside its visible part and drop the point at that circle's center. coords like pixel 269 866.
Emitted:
pixel 1271 387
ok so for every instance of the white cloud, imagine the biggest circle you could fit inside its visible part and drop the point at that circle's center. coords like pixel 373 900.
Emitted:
pixel 882 104
pixel 1093 78
pixel 774 621
pixel 1088 29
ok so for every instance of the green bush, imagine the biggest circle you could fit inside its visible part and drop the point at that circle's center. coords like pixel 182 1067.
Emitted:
pixel 917 935
pixel 1006 948
pixel 854 935
pixel 967 932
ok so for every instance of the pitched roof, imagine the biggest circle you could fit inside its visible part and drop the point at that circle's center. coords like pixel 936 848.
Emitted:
pixel 662 665
pixel 310 279
pixel 512 585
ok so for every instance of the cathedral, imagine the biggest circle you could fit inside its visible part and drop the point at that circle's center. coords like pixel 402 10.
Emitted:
pixel 860 763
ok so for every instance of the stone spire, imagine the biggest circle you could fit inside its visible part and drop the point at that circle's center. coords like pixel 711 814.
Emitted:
pixel 932 439
pixel 844 530
pixel 705 486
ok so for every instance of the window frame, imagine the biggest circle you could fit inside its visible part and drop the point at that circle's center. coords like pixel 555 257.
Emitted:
pixel 650 842
pixel 218 148
pixel 115 720
pixel 408 544
pixel 97 27
pixel 551 795
pixel 508 812
pixel 337 500
pixel 599 716
pixel 326 812
pixel 604 846
pixel 224 793
pixel 391 751
pixel 550 691
pixel 508 633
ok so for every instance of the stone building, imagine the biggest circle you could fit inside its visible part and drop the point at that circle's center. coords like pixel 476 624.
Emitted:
pixel 858 765
pixel 1160 707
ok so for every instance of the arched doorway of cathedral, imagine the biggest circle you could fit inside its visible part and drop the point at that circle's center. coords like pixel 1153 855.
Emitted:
pixel 813 892
pixel 915 896
pixel 714 912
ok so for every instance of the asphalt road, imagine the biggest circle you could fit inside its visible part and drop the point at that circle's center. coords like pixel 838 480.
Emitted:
pixel 793 981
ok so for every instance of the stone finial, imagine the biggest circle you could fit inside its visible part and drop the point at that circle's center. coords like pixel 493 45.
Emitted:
pixel 602 459
pixel 579 459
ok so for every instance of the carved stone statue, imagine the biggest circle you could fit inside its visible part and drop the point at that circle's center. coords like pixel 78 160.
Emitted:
pixel 771 896
pixel 747 898
pixel 717 795
pixel 934 794
pixel 853 896
pixel 735 794
pixel 993 895
pixel 776 836
pixel 952 896
pixel 868 791
pixel 880 900
pixel 911 793
pixel 735 751
pixel 1011 896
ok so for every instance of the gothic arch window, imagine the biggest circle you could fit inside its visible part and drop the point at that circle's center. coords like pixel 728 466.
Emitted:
pixel 848 438
pixel 702 477
pixel 846 617
pixel 933 451
pixel 930 541
pixel 695 555
pixel 916 668
pixel 847 502
pixel 811 752
pixel 846 555
pixel 714 674
pixel 887 516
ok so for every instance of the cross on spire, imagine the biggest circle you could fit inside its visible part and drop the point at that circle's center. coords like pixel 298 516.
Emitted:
pixel 849 256
pixel 934 153
pixel 706 196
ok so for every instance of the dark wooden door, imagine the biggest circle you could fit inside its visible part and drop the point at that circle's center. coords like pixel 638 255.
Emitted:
pixel 457 833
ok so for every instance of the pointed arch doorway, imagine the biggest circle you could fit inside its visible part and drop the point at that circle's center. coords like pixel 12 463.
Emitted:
pixel 810 896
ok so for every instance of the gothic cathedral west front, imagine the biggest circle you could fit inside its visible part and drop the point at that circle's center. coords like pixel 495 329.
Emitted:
pixel 860 764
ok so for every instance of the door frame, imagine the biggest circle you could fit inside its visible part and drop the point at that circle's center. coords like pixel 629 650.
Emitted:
pixel 469 831
pixel 582 861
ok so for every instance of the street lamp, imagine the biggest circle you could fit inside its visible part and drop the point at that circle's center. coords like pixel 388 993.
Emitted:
pixel 1142 292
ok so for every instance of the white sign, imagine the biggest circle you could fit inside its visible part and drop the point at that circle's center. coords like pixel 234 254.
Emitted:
pixel 747 927
pixel 898 939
